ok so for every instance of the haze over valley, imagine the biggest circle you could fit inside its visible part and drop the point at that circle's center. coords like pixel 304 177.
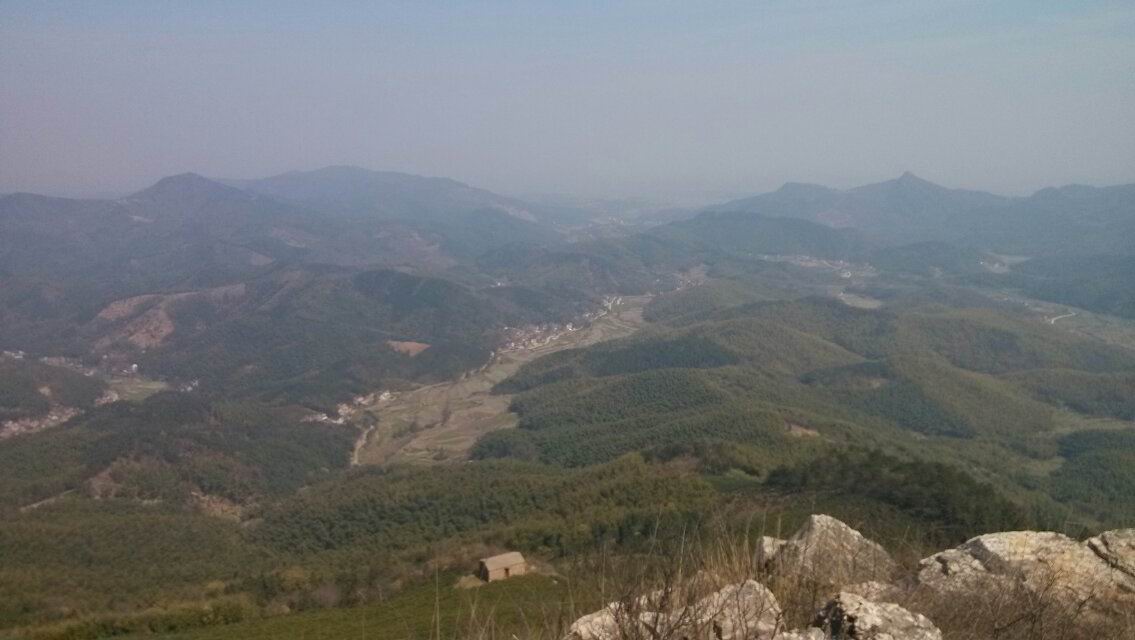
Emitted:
pixel 646 325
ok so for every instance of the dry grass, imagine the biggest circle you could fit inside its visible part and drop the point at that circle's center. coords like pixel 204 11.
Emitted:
pixel 672 576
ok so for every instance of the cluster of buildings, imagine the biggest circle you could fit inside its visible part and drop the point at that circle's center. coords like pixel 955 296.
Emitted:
pixel 345 411
pixel 534 336
pixel 57 416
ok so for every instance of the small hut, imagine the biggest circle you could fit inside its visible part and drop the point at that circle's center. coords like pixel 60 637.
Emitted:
pixel 502 567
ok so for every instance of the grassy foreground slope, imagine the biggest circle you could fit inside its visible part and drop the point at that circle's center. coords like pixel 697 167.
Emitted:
pixel 513 608
pixel 79 567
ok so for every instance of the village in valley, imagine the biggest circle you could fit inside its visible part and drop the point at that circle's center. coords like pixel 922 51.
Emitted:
pixel 439 422
pixel 536 336
pixel 122 384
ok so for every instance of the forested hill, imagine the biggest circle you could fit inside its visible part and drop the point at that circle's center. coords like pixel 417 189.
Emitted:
pixel 288 288
pixel 353 191
pixel 761 375
pixel 271 289
pixel 788 361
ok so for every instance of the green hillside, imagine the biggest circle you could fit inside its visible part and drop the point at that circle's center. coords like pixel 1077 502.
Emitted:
pixel 969 379
pixel 849 351
pixel 131 565
pixel 30 389
pixel 1100 282
pixel 168 446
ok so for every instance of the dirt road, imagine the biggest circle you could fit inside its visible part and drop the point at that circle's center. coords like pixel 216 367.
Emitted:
pixel 440 422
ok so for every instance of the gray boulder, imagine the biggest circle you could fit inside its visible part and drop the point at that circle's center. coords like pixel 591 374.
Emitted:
pixel 745 611
pixel 767 548
pixel 853 617
pixel 829 554
pixel 876 591
pixel 1088 579
pixel 811 633
pixel 618 620
pixel 600 625
pixel 1117 549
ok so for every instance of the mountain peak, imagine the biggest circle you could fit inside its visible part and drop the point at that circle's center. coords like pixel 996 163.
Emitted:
pixel 905 183
pixel 187 185
pixel 187 178
pixel 908 178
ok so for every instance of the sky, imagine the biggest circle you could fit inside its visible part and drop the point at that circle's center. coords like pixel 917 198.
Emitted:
pixel 669 101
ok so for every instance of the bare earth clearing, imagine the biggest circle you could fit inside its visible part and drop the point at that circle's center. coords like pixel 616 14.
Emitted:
pixel 858 301
pixel 440 422
pixel 135 388
pixel 409 348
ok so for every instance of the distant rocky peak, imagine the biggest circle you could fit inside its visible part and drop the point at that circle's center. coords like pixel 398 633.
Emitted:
pixel 910 181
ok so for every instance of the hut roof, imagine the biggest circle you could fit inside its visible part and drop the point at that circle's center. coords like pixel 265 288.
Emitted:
pixel 510 559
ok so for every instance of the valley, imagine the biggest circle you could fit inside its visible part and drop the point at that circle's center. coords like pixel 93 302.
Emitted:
pixel 441 422
pixel 323 417
pixel 567 321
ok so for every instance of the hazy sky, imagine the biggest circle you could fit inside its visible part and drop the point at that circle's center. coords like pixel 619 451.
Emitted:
pixel 656 98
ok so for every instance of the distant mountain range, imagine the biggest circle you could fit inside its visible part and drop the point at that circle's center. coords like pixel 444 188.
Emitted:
pixel 383 194
pixel 338 215
pixel 197 278
pixel 230 347
pixel 63 261
pixel 909 209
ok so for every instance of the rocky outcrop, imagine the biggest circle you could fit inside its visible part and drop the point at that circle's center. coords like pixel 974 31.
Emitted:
pixel 628 619
pixel 1117 549
pixel 829 554
pixel 749 611
pixel 1045 578
pixel 856 618
pixel 601 625
pixel 767 548
pixel 811 633
pixel 1090 578
pixel 745 611
pixel 740 612
pixel 852 617
pixel 876 591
